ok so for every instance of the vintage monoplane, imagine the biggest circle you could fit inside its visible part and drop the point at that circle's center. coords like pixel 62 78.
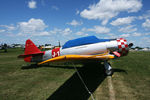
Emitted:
pixel 81 49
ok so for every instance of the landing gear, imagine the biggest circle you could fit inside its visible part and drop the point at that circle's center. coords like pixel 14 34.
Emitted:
pixel 108 69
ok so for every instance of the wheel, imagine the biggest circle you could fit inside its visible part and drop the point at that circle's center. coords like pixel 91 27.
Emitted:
pixel 109 72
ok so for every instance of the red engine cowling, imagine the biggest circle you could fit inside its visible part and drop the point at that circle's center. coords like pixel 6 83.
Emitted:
pixel 123 47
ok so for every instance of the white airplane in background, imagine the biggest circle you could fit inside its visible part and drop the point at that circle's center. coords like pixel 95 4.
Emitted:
pixel 81 49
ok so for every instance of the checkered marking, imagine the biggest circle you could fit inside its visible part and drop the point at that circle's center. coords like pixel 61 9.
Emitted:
pixel 122 46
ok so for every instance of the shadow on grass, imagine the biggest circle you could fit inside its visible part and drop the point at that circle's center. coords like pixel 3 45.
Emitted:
pixel 93 75
pixel 32 66
pixel 73 89
pixel 119 70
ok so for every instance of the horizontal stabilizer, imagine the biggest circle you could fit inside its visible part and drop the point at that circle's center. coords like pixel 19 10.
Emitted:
pixel 33 54
pixel 31 50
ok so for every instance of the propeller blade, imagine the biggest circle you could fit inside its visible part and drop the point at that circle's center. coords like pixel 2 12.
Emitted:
pixel 117 53
pixel 130 45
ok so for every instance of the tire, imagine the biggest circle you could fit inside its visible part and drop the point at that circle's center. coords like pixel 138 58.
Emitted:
pixel 109 72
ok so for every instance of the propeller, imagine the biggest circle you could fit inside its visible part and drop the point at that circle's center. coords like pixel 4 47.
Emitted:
pixel 130 45
pixel 118 54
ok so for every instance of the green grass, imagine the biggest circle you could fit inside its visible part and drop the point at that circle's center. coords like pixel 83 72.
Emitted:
pixel 137 80
pixel 28 84
pixel 132 82
pixel 40 83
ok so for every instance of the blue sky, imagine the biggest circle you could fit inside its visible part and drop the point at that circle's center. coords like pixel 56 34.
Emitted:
pixel 50 21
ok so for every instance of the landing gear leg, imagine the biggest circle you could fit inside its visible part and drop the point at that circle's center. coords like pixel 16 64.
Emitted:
pixel 108 68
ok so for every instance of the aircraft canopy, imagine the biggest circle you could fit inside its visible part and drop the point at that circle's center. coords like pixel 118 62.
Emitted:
pixel 83 41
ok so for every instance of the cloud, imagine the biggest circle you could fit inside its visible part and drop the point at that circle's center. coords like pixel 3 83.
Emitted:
pixel 142 42
pixel 112 36
pixel 99 29
pixel 147 39
pixel 8 30
pixel 128 29
pixel 77 12
pixel 82 32
pixel 145 16
pixel 67 31
pixel 75 23
pixel 55 8
pixel 32 27
pixel 125 35
pixel 146 24
pixel 55 31
pixel 147 34
pixel 58 31
pixel 44 33
pixel 136 34
pixel 8 27
pixel 32 4
pixel 79 33
pixel 1 31
pixel 122 21
pixel 107 9
pixel 95 29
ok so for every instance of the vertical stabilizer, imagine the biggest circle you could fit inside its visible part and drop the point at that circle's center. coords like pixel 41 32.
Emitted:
pixel 31 50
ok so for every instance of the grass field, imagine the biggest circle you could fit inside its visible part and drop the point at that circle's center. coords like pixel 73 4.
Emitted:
pixel 131 79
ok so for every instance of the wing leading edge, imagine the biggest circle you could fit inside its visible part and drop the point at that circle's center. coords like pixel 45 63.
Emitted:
pixel 79 57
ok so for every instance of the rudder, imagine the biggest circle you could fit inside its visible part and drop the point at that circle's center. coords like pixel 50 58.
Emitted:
pixel 31 48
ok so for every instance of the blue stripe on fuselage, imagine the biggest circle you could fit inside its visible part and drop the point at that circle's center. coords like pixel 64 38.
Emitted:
pixel 83 41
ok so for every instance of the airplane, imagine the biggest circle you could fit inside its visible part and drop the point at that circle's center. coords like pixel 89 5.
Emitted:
pixel 3 47
pixel 80 49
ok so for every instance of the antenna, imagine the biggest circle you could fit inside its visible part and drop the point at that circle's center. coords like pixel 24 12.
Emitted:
pixel 59 43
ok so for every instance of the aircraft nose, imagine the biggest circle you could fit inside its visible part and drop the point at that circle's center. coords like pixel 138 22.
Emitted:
pixel 123 47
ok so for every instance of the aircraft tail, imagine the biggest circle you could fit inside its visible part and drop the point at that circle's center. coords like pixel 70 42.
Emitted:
pixel 30 50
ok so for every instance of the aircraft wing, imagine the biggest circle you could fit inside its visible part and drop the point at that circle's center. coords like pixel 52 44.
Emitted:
pixel 105 56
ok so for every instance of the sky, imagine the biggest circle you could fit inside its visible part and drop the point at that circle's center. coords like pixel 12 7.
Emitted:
pixel 50 21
